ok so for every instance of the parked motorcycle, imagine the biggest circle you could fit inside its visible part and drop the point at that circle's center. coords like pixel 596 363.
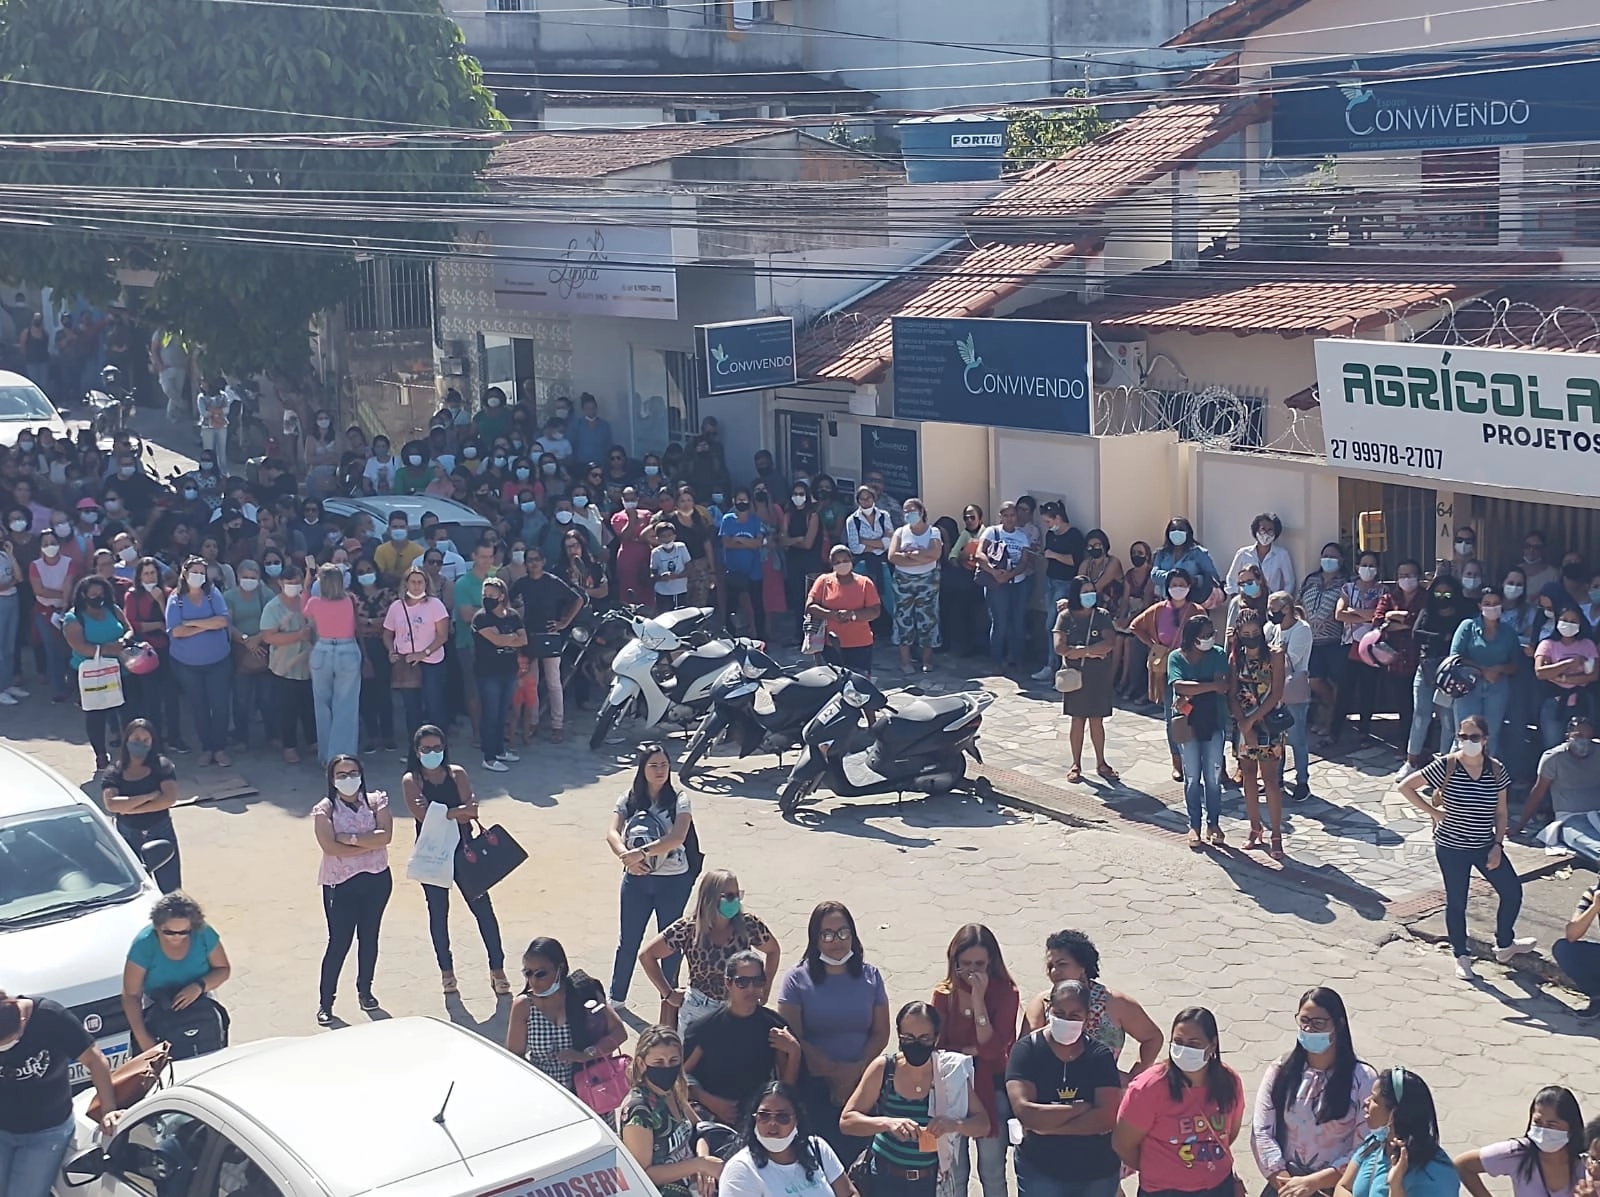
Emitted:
pixel 110 406
pixel 247 432
pixel 765 705
pixel 867 742
pixel 670 666
pixel 592 643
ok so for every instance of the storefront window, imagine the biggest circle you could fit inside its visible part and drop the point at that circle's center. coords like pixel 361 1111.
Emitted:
pixel 663 410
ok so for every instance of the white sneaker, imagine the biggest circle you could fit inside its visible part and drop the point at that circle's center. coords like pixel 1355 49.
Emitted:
pixel 509 758
pixel 1405 771
pixel 17 692
pixel 1464 970
pixel 6 700
pixel 496 767
pixel 1518 947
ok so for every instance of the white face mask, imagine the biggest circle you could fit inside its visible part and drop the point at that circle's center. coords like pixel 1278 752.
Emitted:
pixel 1471 748
pixel 1409 584
pixel 129 555
pixel 347 785
pixel 1265 539
pixel 775 1142
pixel 249 584
pixel 291 589
pixel 1547 1138
pixel 1567 628
pixel 1065 1031
pixel 1512 590
pixel 1206 643
pixel 50 550
pixel 799 500
pixel 1366 572
pixel 1177 593
pixel 837 961
pixel 195 580
pixel 1189 1059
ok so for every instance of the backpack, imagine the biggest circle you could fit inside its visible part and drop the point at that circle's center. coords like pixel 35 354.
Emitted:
pixel 198 1029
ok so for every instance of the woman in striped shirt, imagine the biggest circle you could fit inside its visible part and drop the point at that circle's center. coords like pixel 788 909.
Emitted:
pixel 1468 809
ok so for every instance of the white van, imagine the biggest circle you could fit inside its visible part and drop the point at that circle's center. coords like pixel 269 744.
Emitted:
pixel 407 1107
pixel 72 897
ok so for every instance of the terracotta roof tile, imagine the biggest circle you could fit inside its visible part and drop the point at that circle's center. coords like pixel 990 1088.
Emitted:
pixel 1233 21
pixel 590 155
pixel 856 344
pixel 1339 295
pixel 1132 155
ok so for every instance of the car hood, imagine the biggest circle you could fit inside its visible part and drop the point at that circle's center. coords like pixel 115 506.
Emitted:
pixel 75 960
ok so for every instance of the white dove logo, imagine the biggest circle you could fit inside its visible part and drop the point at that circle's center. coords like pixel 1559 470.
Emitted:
pixel 968 350
pixel 1356 93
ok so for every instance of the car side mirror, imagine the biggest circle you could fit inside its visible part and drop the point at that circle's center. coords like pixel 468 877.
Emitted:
pixel 89 1166
pixel 156 853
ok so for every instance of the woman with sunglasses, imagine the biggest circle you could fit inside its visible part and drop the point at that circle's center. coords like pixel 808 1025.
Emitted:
pixel 561 1019
pixel 139 791
pixel 782 1155
pixel 656 1120
pixel 175 962
pixel 916 1105
pixel 1546 1161
pixel 353 826
pixel 1400 1157
pixel 1468 807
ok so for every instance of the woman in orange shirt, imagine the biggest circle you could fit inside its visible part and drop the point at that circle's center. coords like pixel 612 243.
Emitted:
pixel 978 1006
pixel 847 603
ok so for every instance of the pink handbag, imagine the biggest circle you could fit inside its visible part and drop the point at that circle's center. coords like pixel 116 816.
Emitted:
pixel 602 1084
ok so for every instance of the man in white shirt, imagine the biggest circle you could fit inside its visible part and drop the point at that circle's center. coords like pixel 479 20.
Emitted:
pixel 1266 554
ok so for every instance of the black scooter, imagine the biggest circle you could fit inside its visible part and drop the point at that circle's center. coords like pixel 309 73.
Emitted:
pixel 867 742
pixel 766 705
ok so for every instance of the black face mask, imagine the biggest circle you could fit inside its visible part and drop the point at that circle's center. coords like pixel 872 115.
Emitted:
pixel 97 599
pixel 491 605
pixel 916 1054
pixel 663 1076
pixel 1138 558
pixel 1096 550
pixel 741 504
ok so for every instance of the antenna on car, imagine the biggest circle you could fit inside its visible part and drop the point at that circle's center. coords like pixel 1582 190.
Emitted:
pixel 439 1117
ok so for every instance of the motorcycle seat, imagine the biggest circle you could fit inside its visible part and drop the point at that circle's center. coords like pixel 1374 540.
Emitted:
pixel 923 716
pixel 713 649
pixel 817 677
pixel 684 619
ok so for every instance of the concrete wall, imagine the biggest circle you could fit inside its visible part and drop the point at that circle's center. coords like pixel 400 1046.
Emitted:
pixel 1126 485
pixel 1227 490
pixel 577 117
pixel 1279 366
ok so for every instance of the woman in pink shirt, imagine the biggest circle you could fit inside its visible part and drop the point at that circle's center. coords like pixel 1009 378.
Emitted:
pixel 354 827
pixel 53 575
pixel 335 664
pixel 633 551
pixel 1567 661
pixel 415 630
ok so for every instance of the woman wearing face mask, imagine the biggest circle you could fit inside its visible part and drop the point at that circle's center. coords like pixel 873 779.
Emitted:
pixel 320 451
pixel 977 1004
pixel 335 663
pixel 154 695
pixel 1309 1114
pixel 561 1020
pixel 415 630
pixel 837 1007
pixel 1178 1121
pixel 657 1123
pixel 1319 596
pixel 54 578
pixel 1521 613
pixel 246 603
pixel 1200 681
pixel 1257 671
pixel 1470 818
pixel 373 600
pixel 1249 593
pixel 286 632
pixel 93 626
pixel 1357 682
pixel 1133 676
pixel 846 604
pixel 1180 551
pixel 1113 1017
pixel 587 516
pixel 1267 553
pixel 1566 663
pixel 781 1154
pixel 202 656
pixel 915 550
pixel 353 826
pixel 1487 643
pixel 1547 1161
pixel 1400 1157
pixel 1083 638
pixel 497 638
pixel 430 778
pixel 916 1105
pixel 631 528
pixel 1066 1143
pixel 1159 629
pixel 694 533
pixel 961 600
pixel 715 930
pixel 801 528
pixel 139 792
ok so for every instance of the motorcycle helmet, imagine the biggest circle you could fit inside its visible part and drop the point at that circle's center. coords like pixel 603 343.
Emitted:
pixel 1374 650
pixel 111 376
pixel 1457 677
pixel 140 658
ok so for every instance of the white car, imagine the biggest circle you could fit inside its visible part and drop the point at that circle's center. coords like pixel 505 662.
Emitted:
pixel 24 405
pixel 72 897
pixel 407 1107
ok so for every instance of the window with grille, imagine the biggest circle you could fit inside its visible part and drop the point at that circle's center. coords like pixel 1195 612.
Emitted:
pixel 505 5
pixel 392 294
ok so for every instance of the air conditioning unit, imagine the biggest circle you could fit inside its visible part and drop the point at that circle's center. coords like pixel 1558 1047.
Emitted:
pixel 452 367
pixel 1119 363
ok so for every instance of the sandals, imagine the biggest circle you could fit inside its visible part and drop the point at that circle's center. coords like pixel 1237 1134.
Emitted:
pixel 1107 772
pixel 1074 775
pixel 1195 845
pixel 1276 851
pixel 1214 834
pixel 1254 841
pixel 447 982
pixel 499 983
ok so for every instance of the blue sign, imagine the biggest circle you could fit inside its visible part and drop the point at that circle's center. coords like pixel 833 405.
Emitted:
pixel 1521 96
pixel 892 452
pixel 747 355
pixel 1032 374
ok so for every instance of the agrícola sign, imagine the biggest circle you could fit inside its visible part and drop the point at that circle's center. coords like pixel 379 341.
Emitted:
pixel 1504 417
pixel 1521 95
pixel 746 355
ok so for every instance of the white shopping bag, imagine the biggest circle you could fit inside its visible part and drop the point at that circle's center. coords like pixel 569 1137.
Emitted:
pixel 100 683
pixel 433 860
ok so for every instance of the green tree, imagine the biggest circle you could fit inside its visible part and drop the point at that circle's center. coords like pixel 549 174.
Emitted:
pixel 1038 135
pixel 248 238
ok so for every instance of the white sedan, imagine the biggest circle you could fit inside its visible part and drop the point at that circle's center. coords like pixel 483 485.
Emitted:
pixel 24 405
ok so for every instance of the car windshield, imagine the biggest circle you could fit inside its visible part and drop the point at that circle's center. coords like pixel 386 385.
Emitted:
pixel 56 861
pixel 24 403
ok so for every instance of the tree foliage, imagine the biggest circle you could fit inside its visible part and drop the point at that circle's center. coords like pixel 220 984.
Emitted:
pixel 1038 135
pixel 237 275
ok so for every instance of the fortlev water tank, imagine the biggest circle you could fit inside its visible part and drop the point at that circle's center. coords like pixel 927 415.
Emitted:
pixel 953 149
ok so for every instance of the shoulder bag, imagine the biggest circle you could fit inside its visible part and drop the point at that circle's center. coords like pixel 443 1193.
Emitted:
pixel 484 860
pixel 403 674
pixel 199 1028
pixel 860 1170
pixel 134 1079
pixel 1069 678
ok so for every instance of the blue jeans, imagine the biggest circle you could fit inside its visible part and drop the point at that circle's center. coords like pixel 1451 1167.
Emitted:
pixel 208 693
pixel 1490 700
pixel 1008 609
pixel 1577 835
pixel 10 613
pixel 30 1162
pixel 1553 716
pixel 887 1184
pixel 1299 736
pixel 991 1153
pixel 1054 591
pixel 425 704
pixel 1422 707
pixel 55 654
pixel 1455 866
pixel 665 897
pixel 1581 962
pixel 494 696
pixel 1031 1182
pixel 336 696
pixel 252 695
pixel 1202 768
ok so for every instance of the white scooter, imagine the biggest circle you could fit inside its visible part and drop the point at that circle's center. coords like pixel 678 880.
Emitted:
pixel 671 665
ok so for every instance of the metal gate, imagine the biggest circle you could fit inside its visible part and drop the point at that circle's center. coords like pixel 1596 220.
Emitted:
pixel 1502 524
pixel 1408 518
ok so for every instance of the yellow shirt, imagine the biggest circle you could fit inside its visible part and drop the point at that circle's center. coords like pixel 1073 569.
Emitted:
pixel 394 559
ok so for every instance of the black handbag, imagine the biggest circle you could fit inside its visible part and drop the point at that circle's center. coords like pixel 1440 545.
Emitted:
pixel 198 1029
pixel 1278 720
pixel 548 645
pixel 486 859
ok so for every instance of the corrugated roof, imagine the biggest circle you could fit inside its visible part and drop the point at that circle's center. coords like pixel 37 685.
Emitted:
pixel 1339 295
pixel 1132 155
pixel 591 155
pixel 856 344
pixel 1233 21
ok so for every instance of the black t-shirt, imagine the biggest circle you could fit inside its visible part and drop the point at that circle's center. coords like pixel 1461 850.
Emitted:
pixel 735 1059
pixel 35 1094
pixel 492 660
pixel 543 599
pixel 1065 1157
pixel 1070 542
pixel 161 770
pixel 694 533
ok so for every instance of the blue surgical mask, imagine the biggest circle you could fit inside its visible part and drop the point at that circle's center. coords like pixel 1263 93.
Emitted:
pixel 1086 598
pixel 523 473
pixel 1330 565
pixel 1250 589
pixel 547 468
pixel 1178 537
pixel 529 507
pixel 274 569
pixel 431 760
pixel 398 533
pixel 1316 1041
pixel 1594 596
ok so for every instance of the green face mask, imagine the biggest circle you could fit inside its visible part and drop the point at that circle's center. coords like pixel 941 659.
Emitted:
pixel 729 908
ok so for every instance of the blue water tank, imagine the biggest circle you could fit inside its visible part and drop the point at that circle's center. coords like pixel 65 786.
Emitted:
pixel 953 149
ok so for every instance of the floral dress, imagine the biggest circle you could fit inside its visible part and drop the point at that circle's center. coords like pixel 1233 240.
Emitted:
pixel 1253 682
